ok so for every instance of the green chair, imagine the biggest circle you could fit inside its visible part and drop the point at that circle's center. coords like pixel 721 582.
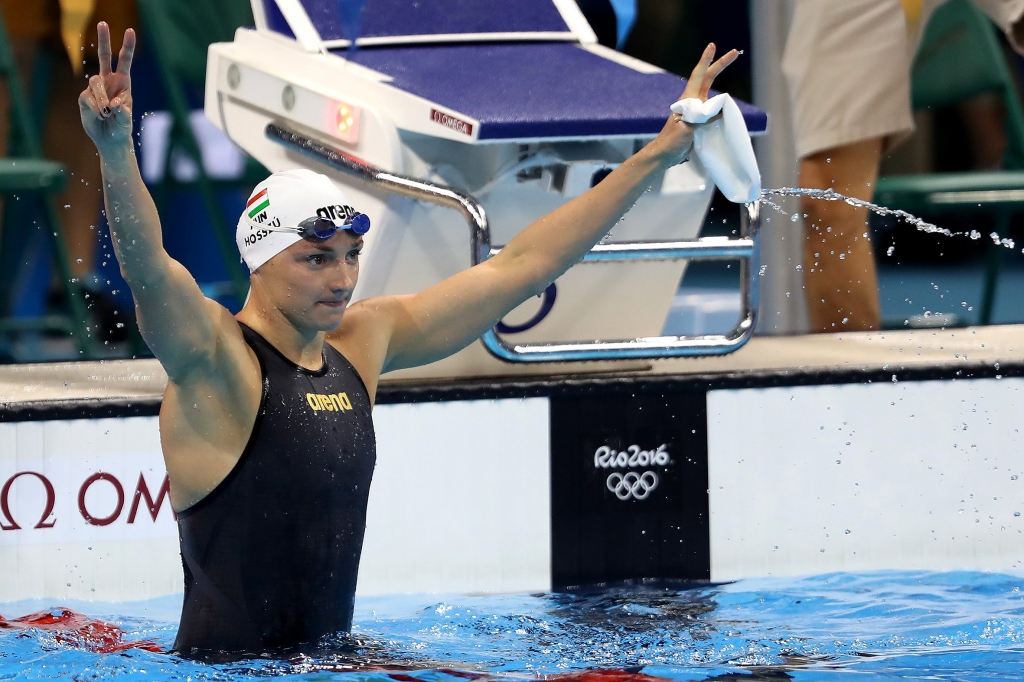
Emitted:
pixel 960 57
pixel 180 31
pixel 26 175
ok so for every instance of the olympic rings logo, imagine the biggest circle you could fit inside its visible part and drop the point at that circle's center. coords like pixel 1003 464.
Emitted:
pixel 632 485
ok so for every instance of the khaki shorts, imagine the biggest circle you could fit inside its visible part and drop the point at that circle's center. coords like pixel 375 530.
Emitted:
pixel 847 64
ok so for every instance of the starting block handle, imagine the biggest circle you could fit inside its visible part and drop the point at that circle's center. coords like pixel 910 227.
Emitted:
pixel 470 208
pixel 746 249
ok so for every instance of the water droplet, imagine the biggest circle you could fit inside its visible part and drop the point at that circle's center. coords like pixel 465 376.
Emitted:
pixel 79 260
pixel 847 531
pixel 67 205
pixel 839 461
pixel 888 252
pixel 1016 513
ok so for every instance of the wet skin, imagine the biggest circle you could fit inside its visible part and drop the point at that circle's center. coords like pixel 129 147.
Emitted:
pixel 298 299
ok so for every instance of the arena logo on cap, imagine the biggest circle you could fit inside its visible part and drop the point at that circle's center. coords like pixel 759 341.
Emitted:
pixel 449 121
pixel 336 212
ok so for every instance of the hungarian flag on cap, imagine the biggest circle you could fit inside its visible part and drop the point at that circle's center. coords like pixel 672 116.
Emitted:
pixel 258 203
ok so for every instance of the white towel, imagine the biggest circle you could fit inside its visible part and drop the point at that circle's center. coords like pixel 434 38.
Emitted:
pixel 723 146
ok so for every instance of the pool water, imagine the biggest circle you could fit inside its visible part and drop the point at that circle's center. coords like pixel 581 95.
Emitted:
pixel 908 625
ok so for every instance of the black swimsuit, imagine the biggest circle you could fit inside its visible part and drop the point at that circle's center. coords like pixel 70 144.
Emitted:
pixel 271 554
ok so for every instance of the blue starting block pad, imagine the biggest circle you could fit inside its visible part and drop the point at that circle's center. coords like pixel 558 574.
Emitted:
pixel 536 90
pixel 382 19
pixel 514 66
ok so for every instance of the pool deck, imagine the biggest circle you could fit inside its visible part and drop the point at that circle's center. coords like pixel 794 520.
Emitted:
pixel 121 387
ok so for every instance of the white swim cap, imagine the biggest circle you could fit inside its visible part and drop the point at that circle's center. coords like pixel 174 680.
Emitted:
pixel 284 200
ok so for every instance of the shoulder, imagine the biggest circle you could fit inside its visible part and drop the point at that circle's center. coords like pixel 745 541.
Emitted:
pixel 207 415
pixel 226 350
pixel 364 335
pixel 231 364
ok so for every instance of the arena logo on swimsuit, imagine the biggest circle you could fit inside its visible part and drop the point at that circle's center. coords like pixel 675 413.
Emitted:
pixel 337 402
pixel 449 121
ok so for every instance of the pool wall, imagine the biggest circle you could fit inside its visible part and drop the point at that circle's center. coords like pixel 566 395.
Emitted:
pixel 887 475
pixel 459 503
pixel 794 456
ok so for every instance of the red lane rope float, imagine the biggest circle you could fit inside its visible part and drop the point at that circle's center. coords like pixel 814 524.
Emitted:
pixel 407 674
pixel 80 631
pixel 594 675
pixel 600 675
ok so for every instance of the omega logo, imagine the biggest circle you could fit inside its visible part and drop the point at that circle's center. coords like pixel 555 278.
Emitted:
pixel 142 495
pixel 451 122
pixel 5 507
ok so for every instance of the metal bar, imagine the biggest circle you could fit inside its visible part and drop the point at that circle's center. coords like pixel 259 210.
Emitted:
pixel 991 196
pixel 708 248
pixel 657 346
pixel 746 250
pixel 480 233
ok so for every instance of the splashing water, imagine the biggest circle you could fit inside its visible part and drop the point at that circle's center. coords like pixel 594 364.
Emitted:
pixel 910 218
pixel 875 626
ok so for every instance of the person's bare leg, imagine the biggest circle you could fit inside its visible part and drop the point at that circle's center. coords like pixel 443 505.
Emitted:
pixel 984 117
pixel 66 141
pixel 839 263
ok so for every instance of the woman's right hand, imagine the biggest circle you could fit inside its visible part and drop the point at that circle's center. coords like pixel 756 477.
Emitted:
pixel 106 104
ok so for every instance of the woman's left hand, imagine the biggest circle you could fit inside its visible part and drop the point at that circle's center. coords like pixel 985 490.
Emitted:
pixel 675 139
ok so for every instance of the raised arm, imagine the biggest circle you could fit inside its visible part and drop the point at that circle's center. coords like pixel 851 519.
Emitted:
pixel 178 323
pixel 453 313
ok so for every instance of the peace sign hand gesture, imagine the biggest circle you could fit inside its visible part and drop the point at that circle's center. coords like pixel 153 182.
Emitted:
pixel 676 137
pixel 106 105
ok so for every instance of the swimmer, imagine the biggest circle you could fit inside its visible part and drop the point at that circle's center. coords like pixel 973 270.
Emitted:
pixel 266 425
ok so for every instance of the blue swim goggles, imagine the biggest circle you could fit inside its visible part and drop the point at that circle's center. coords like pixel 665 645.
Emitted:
pixel 324 228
